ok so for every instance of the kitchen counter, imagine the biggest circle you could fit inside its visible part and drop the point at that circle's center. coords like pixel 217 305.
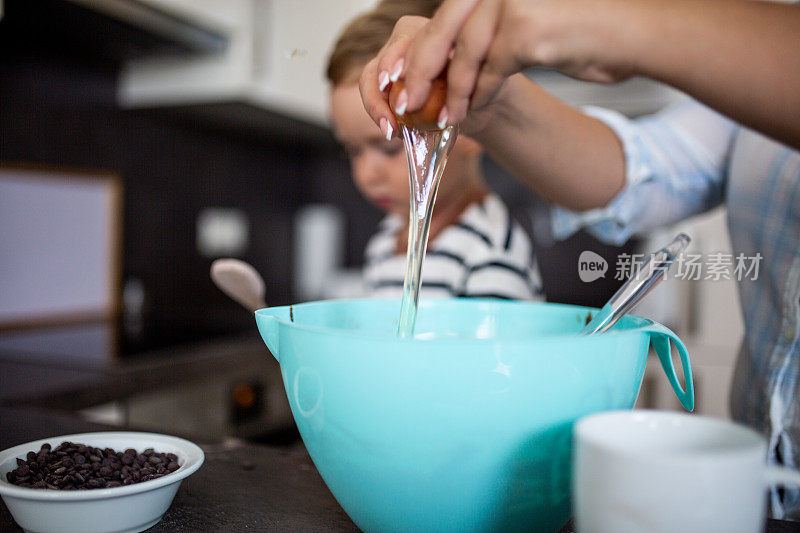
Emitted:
pixel 57 381
pixel 184 390
pixel 240 486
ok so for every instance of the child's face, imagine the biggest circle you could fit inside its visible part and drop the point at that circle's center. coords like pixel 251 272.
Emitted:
pixel 378 166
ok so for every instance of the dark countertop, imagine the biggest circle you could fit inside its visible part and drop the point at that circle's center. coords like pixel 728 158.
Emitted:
pixel 64 383
pixel 185 390
pixel 240 486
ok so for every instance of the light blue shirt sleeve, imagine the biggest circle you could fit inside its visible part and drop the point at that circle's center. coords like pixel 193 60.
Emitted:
pixel 675 166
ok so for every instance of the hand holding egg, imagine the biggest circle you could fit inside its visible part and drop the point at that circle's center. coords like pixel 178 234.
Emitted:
pixel 427 117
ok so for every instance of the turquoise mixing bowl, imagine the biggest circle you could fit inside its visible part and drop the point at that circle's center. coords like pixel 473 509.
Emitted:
pixel 466 426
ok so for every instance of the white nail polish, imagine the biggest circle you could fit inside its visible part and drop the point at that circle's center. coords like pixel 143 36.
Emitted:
pixel 442 119
pixel 398 69
pixel 401 108
pixel 389 131
pixel 384 80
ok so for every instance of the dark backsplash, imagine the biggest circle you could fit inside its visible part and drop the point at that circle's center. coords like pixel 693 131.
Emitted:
pixel 58 108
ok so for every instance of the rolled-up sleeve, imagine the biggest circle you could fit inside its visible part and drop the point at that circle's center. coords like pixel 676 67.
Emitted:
pixel 675 166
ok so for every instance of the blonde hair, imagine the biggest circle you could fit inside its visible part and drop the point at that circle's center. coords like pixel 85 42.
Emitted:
pixel 365 35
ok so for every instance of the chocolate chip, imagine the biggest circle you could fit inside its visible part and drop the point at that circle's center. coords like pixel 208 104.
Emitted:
pixel 72 466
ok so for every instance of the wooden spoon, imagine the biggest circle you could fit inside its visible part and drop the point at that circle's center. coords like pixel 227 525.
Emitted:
pixel 240 281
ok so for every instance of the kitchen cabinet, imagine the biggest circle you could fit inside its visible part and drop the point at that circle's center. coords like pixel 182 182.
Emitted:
pixel 141 28
pixel 274 59
pixel 276 55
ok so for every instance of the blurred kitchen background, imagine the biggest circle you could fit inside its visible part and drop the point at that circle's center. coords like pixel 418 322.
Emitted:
pixel 142 139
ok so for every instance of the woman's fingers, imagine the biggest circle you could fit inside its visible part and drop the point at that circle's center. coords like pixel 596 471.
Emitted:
pixel 499 63
pixel 469 54
pixel 468 35
pixel 375 101
pixel 429 51
pixel 385 68
pixel 390 58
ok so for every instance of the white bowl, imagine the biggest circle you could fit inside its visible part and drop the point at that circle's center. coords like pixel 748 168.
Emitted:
pixel 127 509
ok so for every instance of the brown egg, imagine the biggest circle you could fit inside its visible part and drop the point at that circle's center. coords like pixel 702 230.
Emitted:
pixel 428 115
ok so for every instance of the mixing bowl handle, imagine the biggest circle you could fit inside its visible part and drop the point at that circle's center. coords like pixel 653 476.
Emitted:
pixel 660 337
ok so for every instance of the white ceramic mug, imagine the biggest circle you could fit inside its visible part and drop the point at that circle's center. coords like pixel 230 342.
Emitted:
pixel 661 471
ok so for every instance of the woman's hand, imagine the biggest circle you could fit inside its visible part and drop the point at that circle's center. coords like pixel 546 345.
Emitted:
pixel 386 67
pixel 545 143
pixel 736 56
pixel 483 42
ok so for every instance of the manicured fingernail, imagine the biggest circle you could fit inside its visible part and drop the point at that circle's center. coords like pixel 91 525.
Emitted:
pixel 397 70
pixel 442 118
pixel 401 104
pixel 386 129
pixel 384 77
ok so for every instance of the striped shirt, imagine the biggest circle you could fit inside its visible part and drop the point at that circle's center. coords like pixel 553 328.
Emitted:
pixel 688 159
pixel 485 254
